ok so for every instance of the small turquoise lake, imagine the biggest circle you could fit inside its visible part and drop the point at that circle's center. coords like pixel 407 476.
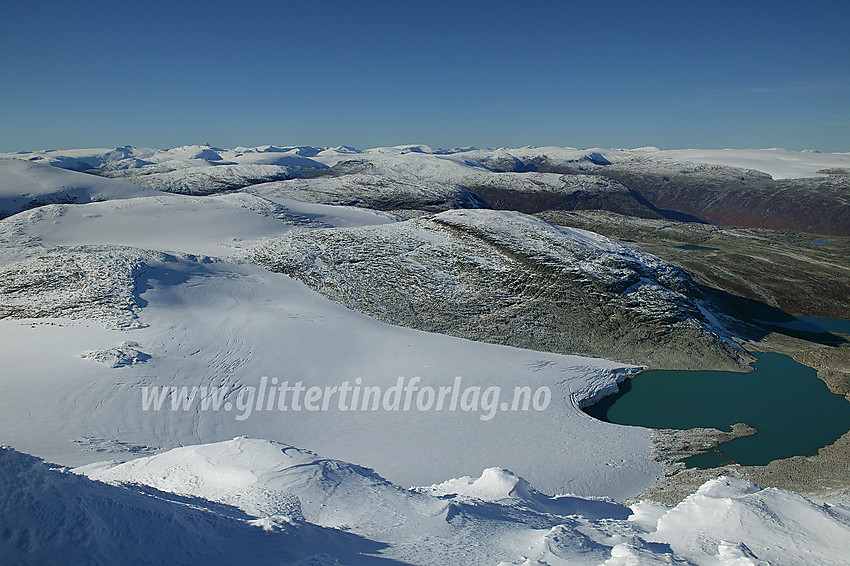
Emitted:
pixel 793 410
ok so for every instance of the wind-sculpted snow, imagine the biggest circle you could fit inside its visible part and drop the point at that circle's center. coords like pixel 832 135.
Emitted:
pixel 495 518
pixel 511 279
pixel 52 516
pixel 257 502
pixel 281 484
pixel 744 524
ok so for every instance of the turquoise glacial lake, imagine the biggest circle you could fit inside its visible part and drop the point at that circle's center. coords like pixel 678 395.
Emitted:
pixel 794 411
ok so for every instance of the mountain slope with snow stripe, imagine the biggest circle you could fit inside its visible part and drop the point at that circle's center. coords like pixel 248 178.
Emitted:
pixel 216 226
pixel 26 185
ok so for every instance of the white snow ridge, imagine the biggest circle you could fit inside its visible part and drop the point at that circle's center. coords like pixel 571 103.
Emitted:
pixel 263 502
pixel 131 298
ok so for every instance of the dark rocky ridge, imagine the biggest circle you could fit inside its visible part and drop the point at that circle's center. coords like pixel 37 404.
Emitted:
pixel 714 194
pixel 535 192
pixel 372 191
pixel 507 278
pixel 820 205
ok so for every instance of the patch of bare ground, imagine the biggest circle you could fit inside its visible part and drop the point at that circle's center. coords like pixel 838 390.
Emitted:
pixel 798 273
pixel 822 477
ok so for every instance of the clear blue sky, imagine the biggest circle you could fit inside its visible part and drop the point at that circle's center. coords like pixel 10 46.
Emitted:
pixel 591 73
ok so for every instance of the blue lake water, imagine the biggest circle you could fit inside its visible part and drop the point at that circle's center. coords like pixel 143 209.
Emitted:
pixel 818 324
pixel 793 410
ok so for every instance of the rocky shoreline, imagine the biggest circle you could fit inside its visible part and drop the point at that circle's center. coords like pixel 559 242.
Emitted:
pixel 671 446
pixel 822 477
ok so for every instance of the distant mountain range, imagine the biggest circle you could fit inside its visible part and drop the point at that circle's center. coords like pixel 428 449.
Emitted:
pixel 770 188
